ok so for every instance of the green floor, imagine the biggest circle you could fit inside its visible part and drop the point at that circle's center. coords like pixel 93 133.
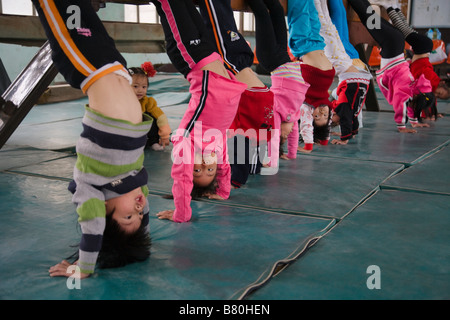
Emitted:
pixel 309 232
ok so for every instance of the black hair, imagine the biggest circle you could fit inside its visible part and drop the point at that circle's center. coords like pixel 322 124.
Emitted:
pixel 120 248
pixel 198 192
pixel 137 71
pixel 424 102
pixel 322 132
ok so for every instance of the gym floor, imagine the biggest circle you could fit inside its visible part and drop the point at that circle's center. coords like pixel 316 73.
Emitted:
pixel 368 220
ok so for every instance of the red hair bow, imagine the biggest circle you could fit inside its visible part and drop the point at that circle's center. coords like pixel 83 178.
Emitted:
pixel 148 69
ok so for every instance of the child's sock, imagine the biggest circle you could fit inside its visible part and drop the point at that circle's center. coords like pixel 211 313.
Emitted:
pixel 399 21
pixel 400 14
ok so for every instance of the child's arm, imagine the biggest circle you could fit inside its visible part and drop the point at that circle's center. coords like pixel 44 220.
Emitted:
pixel 61 270
pixel 151 106
pixel 292 141
pixel 92 212
pixel 223 176
pixel 306 128
pixel 164 130
pixel 345 113
pixel 422 84
pixel 240 160
pixel 182 175
pixel 92 222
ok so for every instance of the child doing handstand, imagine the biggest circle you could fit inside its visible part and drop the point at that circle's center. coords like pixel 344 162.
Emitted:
pixel 338 15
pixel 109 181
pixel 308 45
pixel 420 63
pixel 407 95
pixel 353 82
pixel 246 146
pixel 288 85
pixel 199 152
pixel 159 134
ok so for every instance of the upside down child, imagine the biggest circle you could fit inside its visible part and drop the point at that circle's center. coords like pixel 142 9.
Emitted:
pixel 109 181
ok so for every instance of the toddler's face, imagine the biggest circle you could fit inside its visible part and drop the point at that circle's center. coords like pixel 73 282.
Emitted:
pixel 320 115
pixel 205 170
pixel 335 119
pixel 127 209
pixel 441 93
pixel 140 86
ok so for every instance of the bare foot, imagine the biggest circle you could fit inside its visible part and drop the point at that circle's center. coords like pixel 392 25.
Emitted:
pixel 420 125
pixel 407 130
pixel 341 142
pixel 301 149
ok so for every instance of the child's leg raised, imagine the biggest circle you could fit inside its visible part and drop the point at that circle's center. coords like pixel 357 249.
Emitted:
pixel 390 39
pixel 99 73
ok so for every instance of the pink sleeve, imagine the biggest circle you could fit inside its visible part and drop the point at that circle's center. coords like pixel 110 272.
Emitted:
pixel 223 178
pixel 223 175
pixel 293 141
pixel 402 109
pixel 182 175
pixel 273 150
pixel 422 85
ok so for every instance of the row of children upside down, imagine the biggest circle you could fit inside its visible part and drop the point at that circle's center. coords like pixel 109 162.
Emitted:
pixel 210 154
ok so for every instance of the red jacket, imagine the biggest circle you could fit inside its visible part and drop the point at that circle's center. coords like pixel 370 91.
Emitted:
pixel 424 66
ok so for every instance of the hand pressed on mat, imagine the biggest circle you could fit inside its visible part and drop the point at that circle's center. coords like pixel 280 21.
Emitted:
pixel 60 270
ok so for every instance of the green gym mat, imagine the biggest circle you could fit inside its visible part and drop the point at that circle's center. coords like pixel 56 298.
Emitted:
pixel 16 157
pixel 218 254
pixel 308 232
pixel 403 234
pixel 299 187
pixel 426 176
pixel 163 82
pixel 379 140
pixel 314 186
